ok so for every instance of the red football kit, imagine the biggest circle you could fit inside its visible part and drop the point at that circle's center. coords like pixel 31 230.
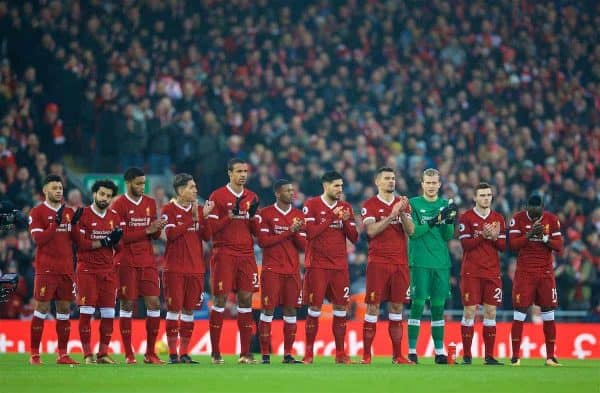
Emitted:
pixel 480 268
pixel 388 276
pixel 138 275
pixel 233 266
pixel 183 276
pixel 96 269
pixel 280 275
pixel 326 254
pixel 534 278
pixel 54 272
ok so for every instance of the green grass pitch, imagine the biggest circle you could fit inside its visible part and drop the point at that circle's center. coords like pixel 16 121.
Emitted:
pixel 16 375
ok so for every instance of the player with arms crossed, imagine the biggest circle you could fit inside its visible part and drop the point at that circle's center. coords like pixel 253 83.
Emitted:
pixel 387 221
pixel 138 275
pixel 183 276
pixel 429 262
pixel 481 233
pixel 97 235
pixel 281 238
pixel 50 224
pixel 534 233
pixel 233 265
pixel 329 222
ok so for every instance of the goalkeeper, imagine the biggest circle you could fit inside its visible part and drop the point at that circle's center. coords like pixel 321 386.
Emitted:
pixel 429 262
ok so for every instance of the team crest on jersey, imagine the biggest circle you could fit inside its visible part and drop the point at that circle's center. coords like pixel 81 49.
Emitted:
pixel 147 211
pixel 461 227
pixel 82 300
pixel 43 291
pixel 110 223
pixel 467 296
pixel 68 217
pixel 512 222
pixel 266 300
pixel 124 289
pixel 547 229
pixel 518 298
pixel 220 284
pixel 372 296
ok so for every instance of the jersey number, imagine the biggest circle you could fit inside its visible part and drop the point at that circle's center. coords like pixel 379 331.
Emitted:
pixel 346 292
pixel 255 279
pixel 554 295
pixel 498 294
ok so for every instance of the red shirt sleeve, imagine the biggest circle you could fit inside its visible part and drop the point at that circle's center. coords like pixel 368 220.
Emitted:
pixel 40 234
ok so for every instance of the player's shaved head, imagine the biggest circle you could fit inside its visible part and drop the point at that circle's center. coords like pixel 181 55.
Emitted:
pixel 535 206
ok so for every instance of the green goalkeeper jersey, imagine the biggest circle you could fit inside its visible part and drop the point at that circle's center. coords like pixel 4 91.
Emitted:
pixel 427 247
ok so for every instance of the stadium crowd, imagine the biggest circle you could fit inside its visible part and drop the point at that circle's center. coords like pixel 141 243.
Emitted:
pixel 507 93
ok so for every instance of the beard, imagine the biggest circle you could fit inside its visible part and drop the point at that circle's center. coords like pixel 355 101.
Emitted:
pixel 101 204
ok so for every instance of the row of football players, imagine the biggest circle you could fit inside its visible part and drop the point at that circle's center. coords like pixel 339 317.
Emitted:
pixel 114 254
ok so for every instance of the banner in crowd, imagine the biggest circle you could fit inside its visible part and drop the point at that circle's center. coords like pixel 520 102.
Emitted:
pixel 574 340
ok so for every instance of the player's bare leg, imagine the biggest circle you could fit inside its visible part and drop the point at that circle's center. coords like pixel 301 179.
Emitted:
pixel 125 316
pixel 549 336
pixel 216 325
pixel 339 334
pixel 396 331
pixel 264 334
pixel 369 331
pixel 186 328
pixel 289 335
pixel 63 331
pixel 37 328
pixel 466 330
pixel 312 327
pixel 489 334
pixel 516 332
pixel 245 326
pixel 152 326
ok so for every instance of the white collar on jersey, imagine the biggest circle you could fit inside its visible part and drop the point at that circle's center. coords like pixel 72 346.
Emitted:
pixel 50 207
pixel 187 209
pixel 327 204
pixel 137 203
pixel 386 202
pixel 233 192
pixel 484 217
pixel 101 215
pixel 285 213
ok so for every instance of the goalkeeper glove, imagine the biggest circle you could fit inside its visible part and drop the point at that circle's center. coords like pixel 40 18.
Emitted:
pixel 449 213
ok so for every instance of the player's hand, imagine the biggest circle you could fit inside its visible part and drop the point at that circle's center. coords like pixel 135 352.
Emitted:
pixel 338 212
pixel 397 209
pixel 156 225
pixel 195 211
pixel 296 225
pixel 253 207
pixel 208 207
pixel 77 216
pixel 59 215
pixel 437 220
pixel 345 214
pixel 536 232
pixel 449 213
pixel 113 238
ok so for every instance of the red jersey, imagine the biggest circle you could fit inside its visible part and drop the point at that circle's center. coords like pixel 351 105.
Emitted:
pixel 136 216
pixel 95 226
pixel 388 246
pixel 280 245
pixel 54 253
pixel 327 233
pixel 232 236
pixel 535 255
pixel 480 256
pixel 183 253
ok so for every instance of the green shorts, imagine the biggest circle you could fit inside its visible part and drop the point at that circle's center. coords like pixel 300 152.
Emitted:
pixel 427 283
